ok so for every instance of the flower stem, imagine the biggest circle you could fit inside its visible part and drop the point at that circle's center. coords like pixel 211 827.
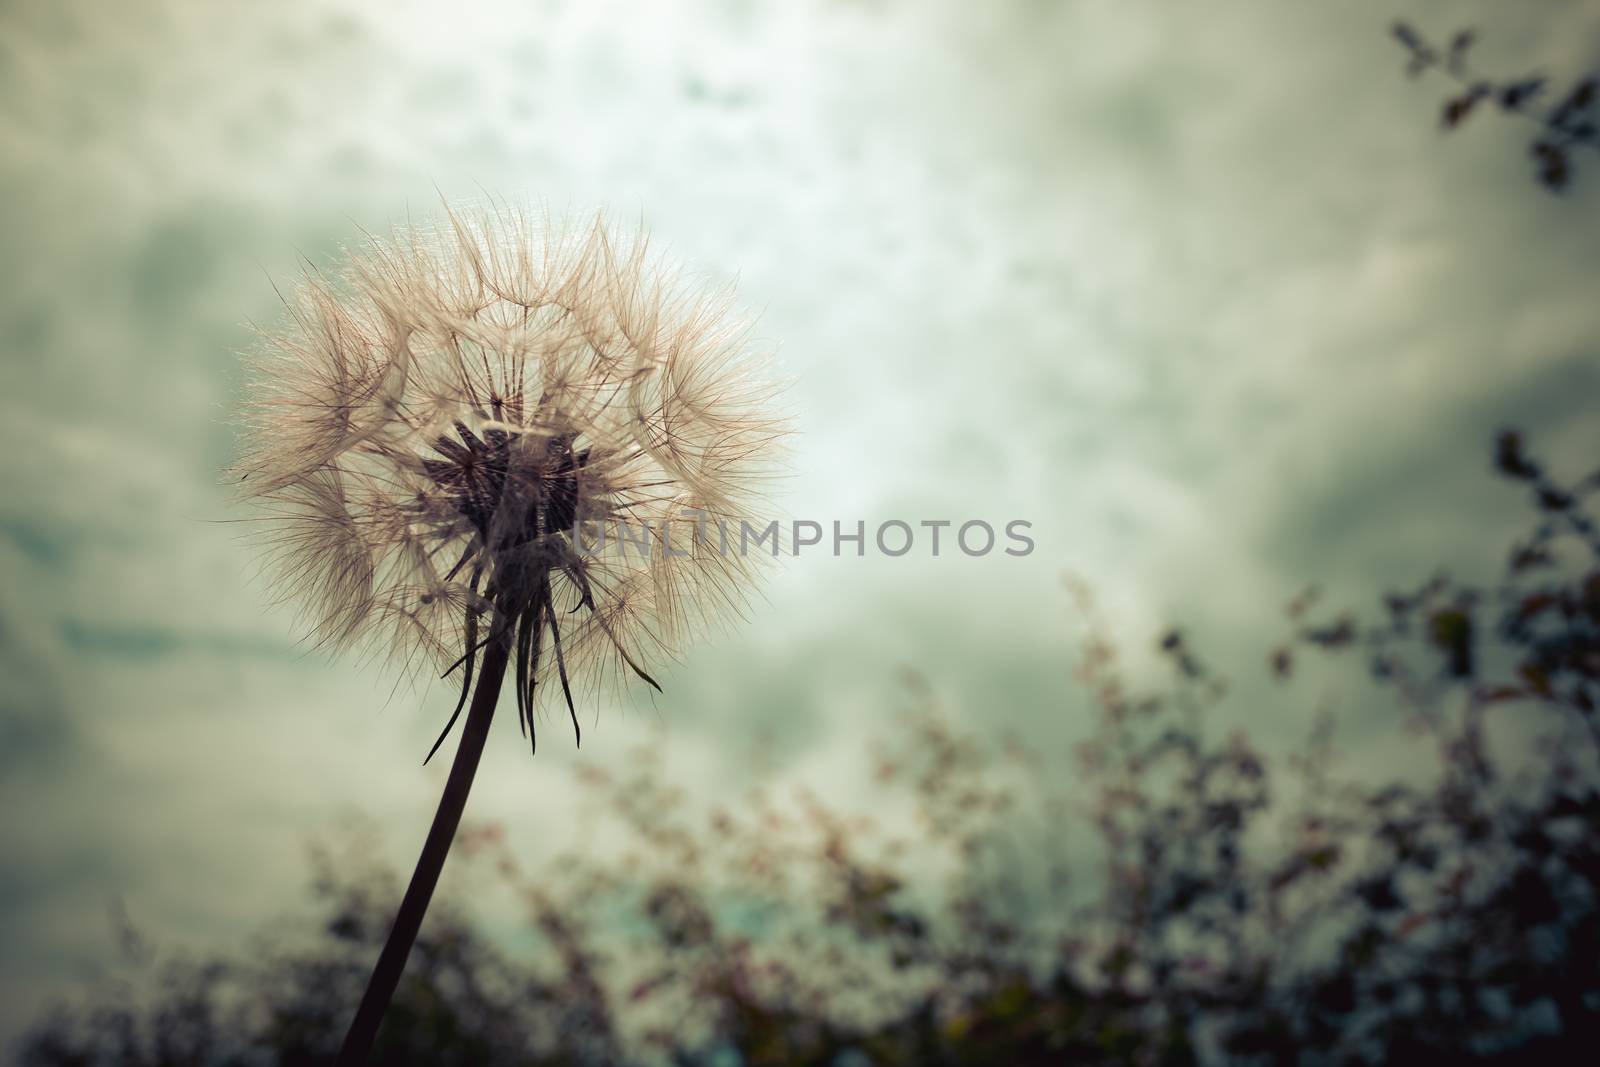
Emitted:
pixel 386 975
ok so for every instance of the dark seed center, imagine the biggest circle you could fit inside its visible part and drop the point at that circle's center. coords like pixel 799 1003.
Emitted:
pixel 473 470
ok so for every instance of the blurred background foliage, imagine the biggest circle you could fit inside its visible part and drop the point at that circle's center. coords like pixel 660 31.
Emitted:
pixel 1566 119
pixel 1243 908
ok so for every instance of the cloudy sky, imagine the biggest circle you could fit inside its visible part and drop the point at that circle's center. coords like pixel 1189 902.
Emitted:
pixel 1197 289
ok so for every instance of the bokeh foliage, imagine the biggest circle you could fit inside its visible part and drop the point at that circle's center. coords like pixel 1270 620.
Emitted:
pixel 1246 906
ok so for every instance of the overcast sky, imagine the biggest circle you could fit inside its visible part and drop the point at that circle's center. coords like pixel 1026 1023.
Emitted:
pixel 1197 289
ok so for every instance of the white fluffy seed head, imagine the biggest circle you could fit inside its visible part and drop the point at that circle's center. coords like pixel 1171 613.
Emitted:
pixel 434 418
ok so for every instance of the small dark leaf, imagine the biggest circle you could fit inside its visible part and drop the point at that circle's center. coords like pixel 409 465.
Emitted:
pixel 1551 499
pixel 1422 56
pixel 1553 169
pixel 1336 635
pixel 1582 96
pixel 1458 108
pixel 1408 37
pixel 1509 458
pixel 1459 46
pixel 1516 94
pixel 1282 663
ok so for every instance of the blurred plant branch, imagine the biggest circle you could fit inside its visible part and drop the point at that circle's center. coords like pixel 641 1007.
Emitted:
pixel 1567 119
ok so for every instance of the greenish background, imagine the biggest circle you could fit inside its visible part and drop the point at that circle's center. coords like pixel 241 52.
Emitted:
pixel 1197 289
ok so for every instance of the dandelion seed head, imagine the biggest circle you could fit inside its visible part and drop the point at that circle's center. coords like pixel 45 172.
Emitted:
pixel 434 420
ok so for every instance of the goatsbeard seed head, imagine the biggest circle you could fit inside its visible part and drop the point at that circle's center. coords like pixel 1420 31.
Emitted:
pixel 436 418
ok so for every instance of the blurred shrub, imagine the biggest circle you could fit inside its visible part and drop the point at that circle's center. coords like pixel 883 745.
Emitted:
pixel 1242 908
